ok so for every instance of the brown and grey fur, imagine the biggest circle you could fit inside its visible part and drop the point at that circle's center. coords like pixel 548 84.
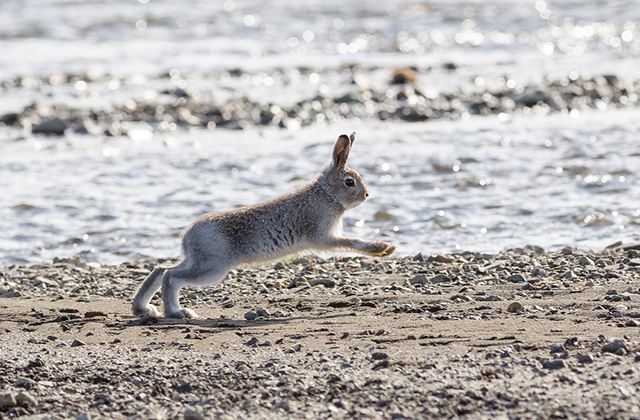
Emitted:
pixel 309 218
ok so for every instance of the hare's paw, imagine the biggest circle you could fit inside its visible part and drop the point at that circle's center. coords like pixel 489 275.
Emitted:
pixel 380 249
pixel 149 310
pixel 390 250
pixel 182 313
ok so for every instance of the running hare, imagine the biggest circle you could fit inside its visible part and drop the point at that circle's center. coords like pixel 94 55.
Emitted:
pixel 307 218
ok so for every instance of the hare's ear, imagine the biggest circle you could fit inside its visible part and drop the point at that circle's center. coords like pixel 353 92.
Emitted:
pixel 341 151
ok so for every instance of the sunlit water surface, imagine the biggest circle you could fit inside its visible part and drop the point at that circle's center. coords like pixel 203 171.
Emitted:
pixel 480 185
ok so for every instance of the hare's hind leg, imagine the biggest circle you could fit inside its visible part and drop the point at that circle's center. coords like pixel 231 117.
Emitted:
pixel 141 305
pixel 175 279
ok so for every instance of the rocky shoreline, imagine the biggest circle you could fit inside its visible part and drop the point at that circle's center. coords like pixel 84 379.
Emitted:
pixel 519 334
pixel 185 101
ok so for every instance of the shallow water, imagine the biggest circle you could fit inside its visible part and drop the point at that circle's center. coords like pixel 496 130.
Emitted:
pixel 483 184
pixel 480 185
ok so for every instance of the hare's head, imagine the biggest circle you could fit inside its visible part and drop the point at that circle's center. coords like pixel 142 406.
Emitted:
pixel 345 184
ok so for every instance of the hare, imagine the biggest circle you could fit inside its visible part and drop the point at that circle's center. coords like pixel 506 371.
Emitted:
pixel 309 218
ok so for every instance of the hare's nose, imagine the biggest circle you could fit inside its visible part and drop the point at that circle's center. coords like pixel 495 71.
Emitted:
pixel 366 193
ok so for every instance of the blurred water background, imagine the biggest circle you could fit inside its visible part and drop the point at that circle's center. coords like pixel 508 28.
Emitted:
pixel 469 176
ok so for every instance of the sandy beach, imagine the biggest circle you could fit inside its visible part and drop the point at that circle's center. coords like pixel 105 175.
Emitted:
pixel 520 334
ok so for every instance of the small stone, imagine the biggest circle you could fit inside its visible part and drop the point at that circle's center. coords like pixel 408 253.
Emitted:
pixel 53 126
pixel 440 258
pixel 514 307
pixel 11 295
pixel 293 349
pixel 77 343
pixel 93 264
pixel 585 358
pixel 379 356
pixel 534 249
pixel 328 283
pixel 566 251
pixel 253 342
pixel 419 257
pixel 614 345
pixel 634 262
pixel 516 278
pixel 557 348
pixel 419 279
pixel 537 271
pixel 25 382
pixel 192 415
pixel 553 365
pixel 7 400
pixel 250 316
pixel 26 400
pixel 440 278
pixel 632 323
pixel 263 313
pixel 381 365
pixel 93 314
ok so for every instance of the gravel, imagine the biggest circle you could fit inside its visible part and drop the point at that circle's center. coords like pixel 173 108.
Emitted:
pixel 376 344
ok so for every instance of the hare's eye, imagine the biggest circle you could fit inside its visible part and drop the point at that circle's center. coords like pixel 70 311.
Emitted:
pixel 349 182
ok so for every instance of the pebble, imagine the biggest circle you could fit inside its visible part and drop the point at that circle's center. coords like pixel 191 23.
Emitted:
pixel 293 349
pixel 379 356
pixel 514 307
pixel 250 316
pixel 7 400
pixel 261 312
pixel 585 358
pixel 553 364
pixel 614 346
pixel 516 278
pixel 26 399
pixel 77 343
pixel 53 126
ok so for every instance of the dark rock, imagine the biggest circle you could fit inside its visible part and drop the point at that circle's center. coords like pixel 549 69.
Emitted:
pixel 253 342
pixel 516 278
pixel 440 278
pixel 7 400
pixel 614 346
pixel 553 364
pixel 52 126
pixel 26 400
pixel 585 358
pixel 77 343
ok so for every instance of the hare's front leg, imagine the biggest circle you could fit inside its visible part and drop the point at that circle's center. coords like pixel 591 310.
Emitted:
pixel 373 248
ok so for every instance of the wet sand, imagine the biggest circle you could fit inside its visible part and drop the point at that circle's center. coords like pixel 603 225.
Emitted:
pixel 520 334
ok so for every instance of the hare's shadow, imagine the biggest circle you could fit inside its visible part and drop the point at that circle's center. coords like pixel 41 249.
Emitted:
pixel 215 325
